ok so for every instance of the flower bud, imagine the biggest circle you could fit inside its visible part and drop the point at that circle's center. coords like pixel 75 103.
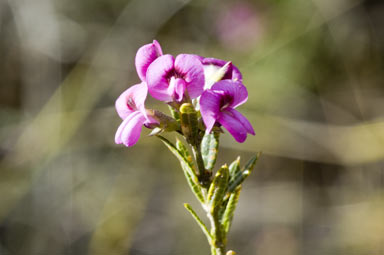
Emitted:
pixel 189 123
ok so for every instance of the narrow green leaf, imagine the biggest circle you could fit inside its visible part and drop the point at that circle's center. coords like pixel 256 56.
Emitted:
pixel 189 123
pixel 199 222
pixel 218 188
pixel 196 189
pixel 175 114
pixel 183 161
pixel 242 175
pixel 227 217
pixel 186 162
pixel 209 149
pixel 252 162
pixel 181 147
pixel 234 168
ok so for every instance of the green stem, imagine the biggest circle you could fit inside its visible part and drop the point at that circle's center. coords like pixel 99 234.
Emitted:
pixel 218 236
pixel 204 175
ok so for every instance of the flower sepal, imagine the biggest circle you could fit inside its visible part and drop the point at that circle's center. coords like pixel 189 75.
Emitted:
pixel 165 122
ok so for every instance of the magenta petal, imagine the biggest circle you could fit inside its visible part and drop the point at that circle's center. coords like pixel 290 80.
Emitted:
pixel 232 73
pixel 210 108
pixel 234 127
pixel 243 120
pixel 176 88
pixel 157 77
pixel 145 56
pixel 158 47
pixel 131 132
pixel 122 127
pixel 191 69
pixel 132 100
pixel 236 74
pixel 235 89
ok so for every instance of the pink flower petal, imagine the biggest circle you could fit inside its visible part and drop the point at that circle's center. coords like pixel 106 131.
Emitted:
pixel 157 77
pixel 131 100
pixel 190 68
pixel 234 127
pixel 232 73
pixel 131 132
pixel 244 121
pixel 145 56
pixel 122 127
pixel 210 108
pixel 235 89
pixel 158 47
pixel 177 88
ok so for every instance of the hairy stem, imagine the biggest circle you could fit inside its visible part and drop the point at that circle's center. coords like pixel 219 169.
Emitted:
pixel 218 236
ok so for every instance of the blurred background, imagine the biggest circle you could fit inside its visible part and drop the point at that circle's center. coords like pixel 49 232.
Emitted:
pixel 314 72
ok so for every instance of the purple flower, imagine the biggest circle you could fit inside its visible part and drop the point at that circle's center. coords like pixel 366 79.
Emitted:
pixel 169 79
pixel 232 73
pixel 145 56
pixel 219 103
pixel 130 107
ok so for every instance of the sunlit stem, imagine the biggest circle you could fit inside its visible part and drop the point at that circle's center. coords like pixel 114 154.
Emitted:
pixel 218 236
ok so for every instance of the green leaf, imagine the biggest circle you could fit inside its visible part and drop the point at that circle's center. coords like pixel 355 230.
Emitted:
pixel 184 151
pixel 234 168
pixel 209 149
pixel 189 123
pixel 199 222
pixel 227 217
pixel 186 162
pixel 196 188
pixel 252 162
pixel 242 175
pixel 218 188
pixel 175 114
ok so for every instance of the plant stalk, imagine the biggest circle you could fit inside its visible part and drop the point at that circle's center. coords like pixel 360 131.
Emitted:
pixel 218 236
pixel 204 175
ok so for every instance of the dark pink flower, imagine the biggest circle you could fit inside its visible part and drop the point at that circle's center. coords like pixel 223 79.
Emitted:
pixel 169 79
pixel 218 105
pixel 213 64
pixel 145 56
pixel 130 107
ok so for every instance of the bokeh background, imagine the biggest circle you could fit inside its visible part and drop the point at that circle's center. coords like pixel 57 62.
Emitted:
pixel 314 72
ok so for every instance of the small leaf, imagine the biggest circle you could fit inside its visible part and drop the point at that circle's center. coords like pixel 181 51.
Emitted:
pixel 189 123
pixel 209 149
pixel 186 162
pixel 234 168
pixel 242 175
pixel 252 162
pixel 175 114
pixel 181 147
pixel 196 189
pixel 183 161
pixel 199 222
pixel 218 188
pixel 230 209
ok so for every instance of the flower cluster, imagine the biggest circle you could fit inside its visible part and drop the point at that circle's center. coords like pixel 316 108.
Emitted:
pixel 214 87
